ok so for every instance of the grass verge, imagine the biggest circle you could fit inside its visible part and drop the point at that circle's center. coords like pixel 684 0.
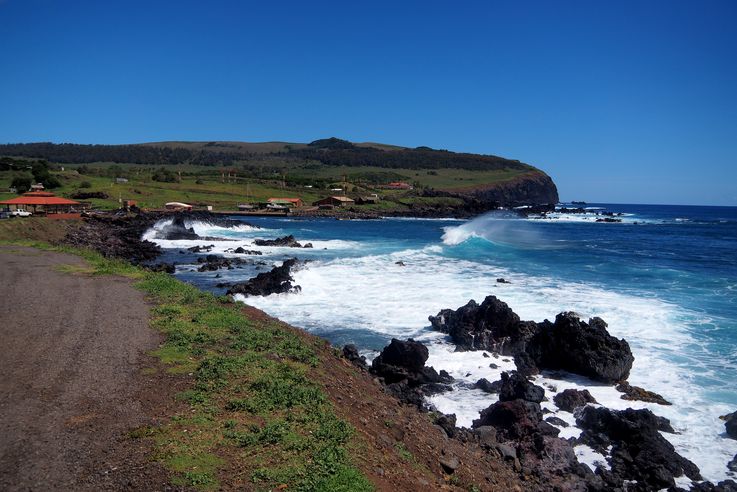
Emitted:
pixel 253 417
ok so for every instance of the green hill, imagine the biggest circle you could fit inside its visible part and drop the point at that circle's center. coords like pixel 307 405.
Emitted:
pixel 275 167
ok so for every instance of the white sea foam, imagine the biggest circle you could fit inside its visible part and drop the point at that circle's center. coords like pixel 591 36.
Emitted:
pixel 237 236
pixel 373 293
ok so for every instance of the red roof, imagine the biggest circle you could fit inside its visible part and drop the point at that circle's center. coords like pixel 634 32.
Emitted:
pixel 292 200
pixel 38 193
pixel 39 200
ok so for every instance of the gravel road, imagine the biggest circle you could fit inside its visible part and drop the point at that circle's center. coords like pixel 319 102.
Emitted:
pixel 71 384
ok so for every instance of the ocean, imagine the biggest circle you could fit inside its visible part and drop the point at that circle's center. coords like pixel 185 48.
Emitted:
pixel 664 279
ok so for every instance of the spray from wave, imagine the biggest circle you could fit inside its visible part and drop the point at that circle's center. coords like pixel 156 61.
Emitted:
pixel 497 227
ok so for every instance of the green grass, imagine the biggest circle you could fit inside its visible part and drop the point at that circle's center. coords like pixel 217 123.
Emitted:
pixel 205 187
pixel 252 404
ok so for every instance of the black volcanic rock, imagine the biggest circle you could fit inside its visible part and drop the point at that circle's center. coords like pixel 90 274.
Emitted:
pixel 730 424
pixel 569 344
pixel 177 230
pixel 570 399
pixel 587 349
pixel 490 326
pixel 401 365
pixel 277 281
pixel 211 263
pixel 636 393
pixel 117 236
pixel 485 385
pixel 286 241
pixel 404 360
pixel 514 386
pixel 639 452
pixel 350 352
pixel 515 420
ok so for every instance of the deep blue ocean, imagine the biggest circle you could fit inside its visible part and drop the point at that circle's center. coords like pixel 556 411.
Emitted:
pixel 665 279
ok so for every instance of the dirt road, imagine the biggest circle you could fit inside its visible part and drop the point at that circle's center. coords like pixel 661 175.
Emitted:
pixel 71 385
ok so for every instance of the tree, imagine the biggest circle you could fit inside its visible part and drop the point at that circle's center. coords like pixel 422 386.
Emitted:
pixel 21 183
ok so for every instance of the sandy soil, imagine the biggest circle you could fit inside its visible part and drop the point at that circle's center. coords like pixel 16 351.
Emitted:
pixel 71 379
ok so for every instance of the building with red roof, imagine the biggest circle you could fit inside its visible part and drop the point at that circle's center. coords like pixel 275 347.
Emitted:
pixel 42 202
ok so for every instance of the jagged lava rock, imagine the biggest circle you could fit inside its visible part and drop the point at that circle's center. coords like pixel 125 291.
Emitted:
pixel 277 281
pixel 177 230
pixel 587 349
pixel 350 352
pixel 569 344
pixel 489 326
pixel 730 424
pixel 640 394
pixel 515 386
pixel 286 241
pixel 639 452
pixel 405 360
pixel 570 399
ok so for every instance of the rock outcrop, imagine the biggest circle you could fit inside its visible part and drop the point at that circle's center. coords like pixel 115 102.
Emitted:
pixel 277 281
pixel 571 399
pixel 569 343
pixel 730 424
pixel 533 188
pixel 587 349
pixel 211 263
pixel 286 241
pixel 514 386
pixel 639 452
pixel 640 394
pixel 401 365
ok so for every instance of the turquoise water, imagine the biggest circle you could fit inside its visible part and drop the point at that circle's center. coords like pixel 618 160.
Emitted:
pixel 665 279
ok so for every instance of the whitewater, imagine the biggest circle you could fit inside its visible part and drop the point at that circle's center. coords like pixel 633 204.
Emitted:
pixel 664 279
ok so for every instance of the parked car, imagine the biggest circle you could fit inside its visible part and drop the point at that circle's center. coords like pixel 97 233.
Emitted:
pixel 4 214
pixel 20 213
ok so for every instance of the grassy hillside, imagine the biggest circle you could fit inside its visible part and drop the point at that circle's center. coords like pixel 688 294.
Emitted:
pixel 223 174
pixel 206 186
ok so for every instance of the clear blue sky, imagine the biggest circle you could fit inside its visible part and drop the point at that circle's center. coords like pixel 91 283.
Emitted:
pixel 618 102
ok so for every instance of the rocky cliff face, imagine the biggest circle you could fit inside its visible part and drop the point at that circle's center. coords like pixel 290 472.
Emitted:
pixel 533 188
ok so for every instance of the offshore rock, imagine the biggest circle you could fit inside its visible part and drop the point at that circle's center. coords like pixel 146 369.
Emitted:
pixel 490 326
pixel 286 241
pixel 211 263
pixel 730 424
pixel 640 394
pixel 639 452
pixel 587 349
pixel 569 344
pixel 484 385
pixel 570 399
pixel 277 281
pixel 177 230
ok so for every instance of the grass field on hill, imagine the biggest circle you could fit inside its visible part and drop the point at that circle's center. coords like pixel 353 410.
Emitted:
pixel 206 185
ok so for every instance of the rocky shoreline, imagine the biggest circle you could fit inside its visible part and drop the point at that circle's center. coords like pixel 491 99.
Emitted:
pixel 515 429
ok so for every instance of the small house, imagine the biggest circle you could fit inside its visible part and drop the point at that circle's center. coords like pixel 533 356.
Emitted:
pixel 37 187
pixel 42 202
pixel 178 207
pixel 334 201
pixel 286 202
pixel 367 200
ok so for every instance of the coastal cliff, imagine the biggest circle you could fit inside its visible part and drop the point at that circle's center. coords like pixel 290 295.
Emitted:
pixel 533 188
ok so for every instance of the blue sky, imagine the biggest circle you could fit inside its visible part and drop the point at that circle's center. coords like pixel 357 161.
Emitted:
pixel 629 102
